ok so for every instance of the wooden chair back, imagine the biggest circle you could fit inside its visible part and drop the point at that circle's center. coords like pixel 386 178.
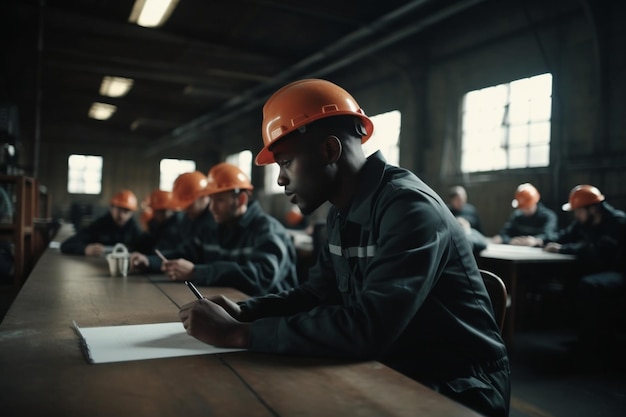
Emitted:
pixel 498 294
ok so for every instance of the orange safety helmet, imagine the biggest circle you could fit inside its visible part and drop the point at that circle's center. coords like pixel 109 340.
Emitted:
pixel 188 187
pixel 302 102
pixel 526 196
pixel 225 177
pixel 582 196
pixel 294 216
pixel 162 200
pixel 125 199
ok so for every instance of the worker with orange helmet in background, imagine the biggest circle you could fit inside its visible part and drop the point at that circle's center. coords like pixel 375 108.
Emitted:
pixel 248 249
pixel 395 281
pixel 163 227
pixel 530 223
pixel 117 226
pixel 190 196
pixel 597 236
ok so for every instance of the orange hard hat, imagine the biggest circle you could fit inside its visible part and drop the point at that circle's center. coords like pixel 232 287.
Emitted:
pixel 582 196
pixel 162 200
pixel 125 199
pixel 302 102
pixel 294 216
pixel 188 187
pixel 526 196
pixel 225 177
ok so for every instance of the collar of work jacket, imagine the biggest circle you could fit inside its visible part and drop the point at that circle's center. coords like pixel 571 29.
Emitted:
pixel 370 178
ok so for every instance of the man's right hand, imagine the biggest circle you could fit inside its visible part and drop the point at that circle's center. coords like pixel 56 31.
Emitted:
pixel 94 249
pixel 231 307
pixel 552 247
pixel 138 261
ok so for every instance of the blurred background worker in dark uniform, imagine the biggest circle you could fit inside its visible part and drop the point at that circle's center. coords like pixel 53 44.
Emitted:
pixel 467 216
pixel 530 223
pixel 190 194
pixel 249 250
pixel 458 205
pixel 163 227
pixel 117 226
pixel 396 280
pixel 597 238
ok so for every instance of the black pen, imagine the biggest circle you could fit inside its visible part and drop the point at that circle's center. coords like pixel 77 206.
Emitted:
pixel 194 290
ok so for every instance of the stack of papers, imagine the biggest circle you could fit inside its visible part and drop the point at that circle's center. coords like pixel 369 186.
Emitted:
pixel 141 341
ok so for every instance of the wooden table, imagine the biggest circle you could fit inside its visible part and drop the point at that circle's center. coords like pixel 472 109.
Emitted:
pixel 44 372
pixel 514 263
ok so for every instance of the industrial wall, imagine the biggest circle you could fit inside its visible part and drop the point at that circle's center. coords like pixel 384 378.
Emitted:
pixel 425 76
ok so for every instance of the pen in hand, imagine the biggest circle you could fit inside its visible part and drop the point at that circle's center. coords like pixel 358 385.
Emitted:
pixel 158 252
pixel 194 290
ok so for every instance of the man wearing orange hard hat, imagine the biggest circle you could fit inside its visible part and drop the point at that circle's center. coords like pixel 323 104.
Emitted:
pixel 163 227
pixel 190 196
pixel 530 223
pixel 117 226
pixel 395 281
pixel 249 250
pixel 597 236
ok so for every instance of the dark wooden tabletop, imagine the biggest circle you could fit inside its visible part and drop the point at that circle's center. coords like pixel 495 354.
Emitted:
pixel 44 371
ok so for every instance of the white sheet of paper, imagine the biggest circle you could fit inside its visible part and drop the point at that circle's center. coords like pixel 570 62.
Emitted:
pixel 141 341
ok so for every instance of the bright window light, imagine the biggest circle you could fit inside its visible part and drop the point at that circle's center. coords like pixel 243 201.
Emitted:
pixel 171 169
pixel 101 111
pixel 84 174
pixel 507 126
pixel 243 160
pixel 271 179
pixel 386 137
pixel 152 13
pixel 115 86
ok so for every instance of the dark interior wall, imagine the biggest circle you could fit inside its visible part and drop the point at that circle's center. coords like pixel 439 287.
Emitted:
pixel 559 44
pixel 425 77
pixel 125 166
pixel 498 44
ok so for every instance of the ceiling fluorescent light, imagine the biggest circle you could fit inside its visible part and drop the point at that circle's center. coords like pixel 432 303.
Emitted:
pixel 115 86
pixel 101 111
pixel 152 13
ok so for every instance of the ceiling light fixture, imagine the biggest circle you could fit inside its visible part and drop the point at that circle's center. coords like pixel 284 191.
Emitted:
pixel 152 13
pixel 101 111
pixel 115 86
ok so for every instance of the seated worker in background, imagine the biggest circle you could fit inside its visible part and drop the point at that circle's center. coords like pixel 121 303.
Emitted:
pixel 396 281
pixel 458 205
pixel 597 238
pixel 194 221
pixel 192 196
pixel 477 240
pixel 117 226
pixel 249 250
pixel 467 216
pixel 163 227
pixel 530 223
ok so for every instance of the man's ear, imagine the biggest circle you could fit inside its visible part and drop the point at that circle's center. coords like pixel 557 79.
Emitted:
pixel 332 149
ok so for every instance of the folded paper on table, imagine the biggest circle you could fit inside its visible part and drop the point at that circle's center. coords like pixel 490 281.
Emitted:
pixel 141 341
